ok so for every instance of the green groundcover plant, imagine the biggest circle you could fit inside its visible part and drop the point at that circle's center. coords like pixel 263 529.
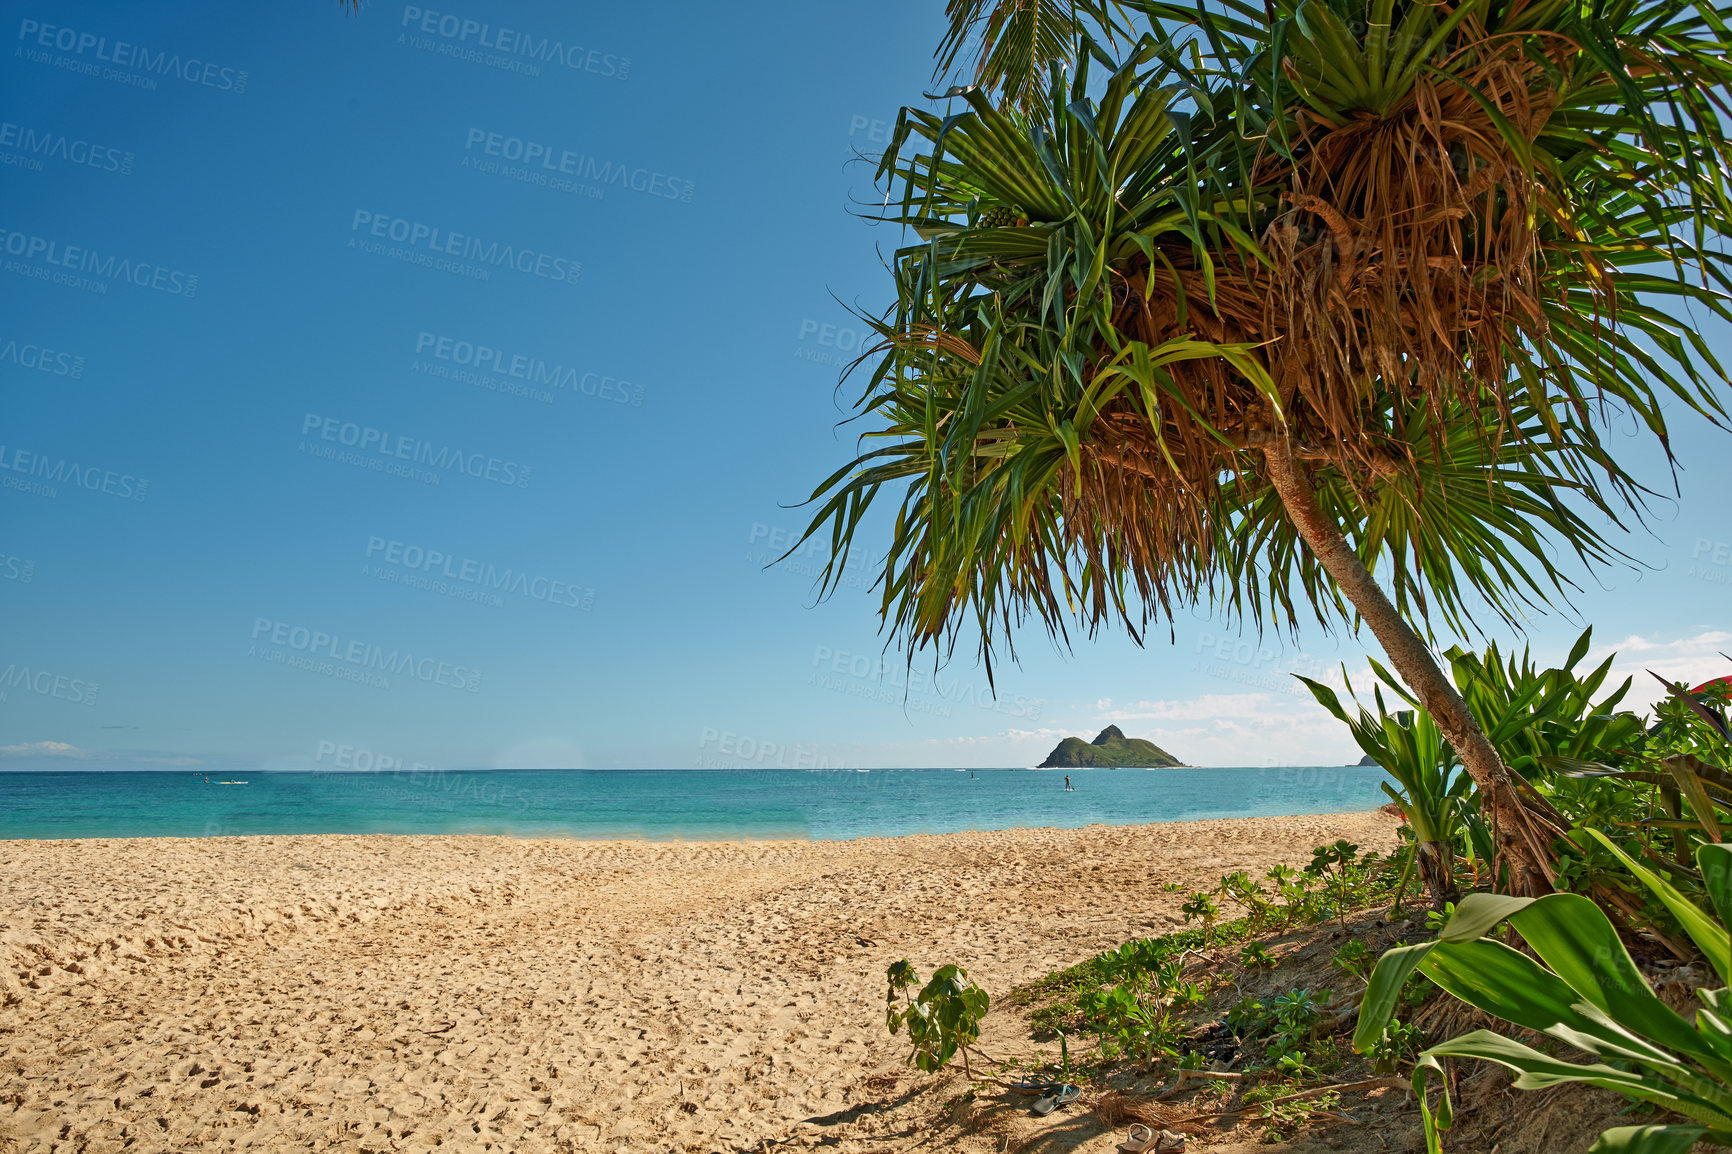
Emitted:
pixel 1586 992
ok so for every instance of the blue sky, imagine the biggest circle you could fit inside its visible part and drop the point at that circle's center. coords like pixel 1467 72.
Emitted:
pixel 514 329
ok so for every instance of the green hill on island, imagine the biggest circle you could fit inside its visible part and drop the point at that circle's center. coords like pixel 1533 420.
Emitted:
pixel 1111 749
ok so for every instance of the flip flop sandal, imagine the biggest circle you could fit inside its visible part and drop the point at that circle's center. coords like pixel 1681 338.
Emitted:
pixel 1167 1142
pixel 1141 1138
pixel 1055 1097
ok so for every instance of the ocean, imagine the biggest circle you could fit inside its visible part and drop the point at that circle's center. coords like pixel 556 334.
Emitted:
pixel 696 804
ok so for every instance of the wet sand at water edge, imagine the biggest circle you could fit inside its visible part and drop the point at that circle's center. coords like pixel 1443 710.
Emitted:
pixel 483 993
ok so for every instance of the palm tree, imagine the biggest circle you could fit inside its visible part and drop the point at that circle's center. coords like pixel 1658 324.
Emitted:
pixel 1281 306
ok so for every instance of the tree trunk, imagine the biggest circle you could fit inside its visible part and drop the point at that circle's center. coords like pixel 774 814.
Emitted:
pixel 1437 870
pixel 1522 846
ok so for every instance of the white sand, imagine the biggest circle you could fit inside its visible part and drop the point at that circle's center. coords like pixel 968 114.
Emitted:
pixel 411 993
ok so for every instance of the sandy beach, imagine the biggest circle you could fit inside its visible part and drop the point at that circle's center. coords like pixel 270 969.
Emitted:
pixel 463 993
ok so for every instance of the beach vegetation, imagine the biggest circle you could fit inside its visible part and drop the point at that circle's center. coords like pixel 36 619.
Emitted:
pixel 1266 1039
pixel 1577 983
pixel 1202 907
pixel 1428 786
pixel 1248 894
pixel 1657 785
pixel 1332 863
pixel 942 1019
pixel 1285 1024
pixel 1355 957
pixel 1061 1000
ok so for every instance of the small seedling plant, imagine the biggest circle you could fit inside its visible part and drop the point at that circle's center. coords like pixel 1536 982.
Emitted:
pixel 1294 889
pixel 1244 891
pixel 942 1020
pixel 1202 907
pixel 1332 862
pixel 1356 958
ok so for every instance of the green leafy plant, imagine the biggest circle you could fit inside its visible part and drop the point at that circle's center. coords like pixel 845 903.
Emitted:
pixel 1189 996
pixel 1585 991
pixel 1333 863
pixel 1294 889
pixel 1137 1013
pixel 1684 758
pixel 1240 888
pixel 1356 958
pixel 1395 1047
pixel 1202 907
pixel 1285 1024
pixel 1411 749
pixel 1294 1064
pixel 1256 957
pixel 942 1020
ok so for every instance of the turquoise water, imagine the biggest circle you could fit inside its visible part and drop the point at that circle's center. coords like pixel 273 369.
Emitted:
pixel 693 804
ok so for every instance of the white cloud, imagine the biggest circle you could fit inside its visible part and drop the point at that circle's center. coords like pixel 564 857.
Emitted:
pixel 42 749
pixel 1023 734
pixel 1691 660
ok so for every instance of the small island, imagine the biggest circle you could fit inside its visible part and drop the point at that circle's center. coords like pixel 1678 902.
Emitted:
pixel 1112 749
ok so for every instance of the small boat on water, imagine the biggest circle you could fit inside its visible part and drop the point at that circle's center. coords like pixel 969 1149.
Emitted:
pixel 231 783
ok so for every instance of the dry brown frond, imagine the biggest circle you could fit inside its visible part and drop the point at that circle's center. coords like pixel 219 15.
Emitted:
pixel 1407 258
pixel 1117 1110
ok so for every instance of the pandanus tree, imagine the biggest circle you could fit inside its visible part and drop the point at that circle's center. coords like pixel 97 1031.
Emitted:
pixel 1324 311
